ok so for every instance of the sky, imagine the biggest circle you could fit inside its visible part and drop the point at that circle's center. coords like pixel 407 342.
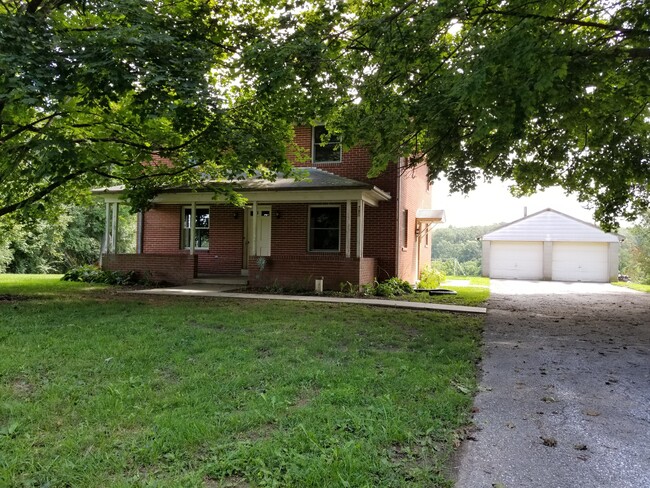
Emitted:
pixel 492 203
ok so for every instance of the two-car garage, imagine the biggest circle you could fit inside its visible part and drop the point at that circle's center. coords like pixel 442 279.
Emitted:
pixel 550 245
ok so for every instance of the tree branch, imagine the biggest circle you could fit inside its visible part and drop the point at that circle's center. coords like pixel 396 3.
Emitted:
pixel 29 127
pixel 40 194
pixel 568 21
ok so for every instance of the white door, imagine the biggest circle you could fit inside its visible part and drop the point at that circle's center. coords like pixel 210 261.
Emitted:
pixel 580 261
pixel 263 234
pixel 517 260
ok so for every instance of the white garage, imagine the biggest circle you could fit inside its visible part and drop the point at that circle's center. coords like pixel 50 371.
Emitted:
pixel 550 245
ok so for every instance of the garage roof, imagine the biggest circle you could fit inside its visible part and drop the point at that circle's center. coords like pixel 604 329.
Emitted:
pixel 550 225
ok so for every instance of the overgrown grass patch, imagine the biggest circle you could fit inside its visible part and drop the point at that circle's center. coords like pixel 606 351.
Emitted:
pixel 111 390
pixel 633 286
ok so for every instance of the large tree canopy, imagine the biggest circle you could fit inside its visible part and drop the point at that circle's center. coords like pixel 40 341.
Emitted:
pixel 545 93
pixel 90 89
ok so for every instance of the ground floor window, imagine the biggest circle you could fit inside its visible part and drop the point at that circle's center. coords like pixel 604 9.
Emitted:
pixel 325 228
pixel 201 227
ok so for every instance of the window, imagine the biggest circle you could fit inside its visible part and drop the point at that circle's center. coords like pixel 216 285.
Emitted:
pixel 324 228
pixel 325 148
pixel 405 228
pixel 201 227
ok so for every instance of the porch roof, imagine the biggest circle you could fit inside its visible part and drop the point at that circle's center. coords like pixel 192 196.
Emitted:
pixel 310 184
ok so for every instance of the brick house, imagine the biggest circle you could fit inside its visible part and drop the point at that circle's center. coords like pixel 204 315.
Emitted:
pixel 336 223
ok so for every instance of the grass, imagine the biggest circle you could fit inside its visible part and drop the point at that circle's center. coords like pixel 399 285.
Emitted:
pixel 105 389
pixel 633 286
pixel 476 294
pixel 473 280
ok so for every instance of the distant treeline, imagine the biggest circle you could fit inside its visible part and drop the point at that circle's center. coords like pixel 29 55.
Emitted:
pixel 457 250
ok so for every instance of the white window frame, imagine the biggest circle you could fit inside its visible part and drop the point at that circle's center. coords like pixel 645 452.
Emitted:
pixel 186 230
pixel 314 143
pixel 405 229
pixel 309 248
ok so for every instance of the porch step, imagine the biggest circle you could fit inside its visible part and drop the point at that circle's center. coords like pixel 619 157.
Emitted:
pixel 220 280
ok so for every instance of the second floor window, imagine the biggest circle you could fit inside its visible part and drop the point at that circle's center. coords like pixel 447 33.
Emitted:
pixel 325 148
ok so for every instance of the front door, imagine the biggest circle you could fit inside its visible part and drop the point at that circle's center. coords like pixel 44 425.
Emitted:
pixel 263 232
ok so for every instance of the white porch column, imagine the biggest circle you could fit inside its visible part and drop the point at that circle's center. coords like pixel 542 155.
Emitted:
pixel 114 228
pixel 348 227
pixel 107 229
pixel 254 229
pixel 192 227
pixel 360 222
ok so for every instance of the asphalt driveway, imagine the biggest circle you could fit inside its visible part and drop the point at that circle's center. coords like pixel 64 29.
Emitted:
pixel 565 398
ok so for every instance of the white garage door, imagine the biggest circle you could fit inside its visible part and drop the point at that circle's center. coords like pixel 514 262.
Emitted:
pixel 517 260
pixel 580 261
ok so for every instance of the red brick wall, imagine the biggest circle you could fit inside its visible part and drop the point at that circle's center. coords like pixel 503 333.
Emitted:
pixel 161 230
pixel 289 233
pixel 379 237
pixel 355 165
pixel 302 271
pixel 162 234
pixel 367 270
pixel 415 193
pixel 176 269
pixel 225 255
pixel 380 222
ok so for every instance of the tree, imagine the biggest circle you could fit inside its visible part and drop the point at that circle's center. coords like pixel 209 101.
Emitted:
pixel 63 238
pixel 457 250
pixel 91 89
pixel 546 92
pixel 637 250
pixel 542 92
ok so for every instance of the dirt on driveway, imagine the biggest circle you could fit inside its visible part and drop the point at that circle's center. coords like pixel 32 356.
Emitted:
pixel 565 389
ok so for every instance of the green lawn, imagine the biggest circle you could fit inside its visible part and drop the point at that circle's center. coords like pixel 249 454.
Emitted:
pixel 474 295
pixel 473 280
pixel 99 388
pixel 634 286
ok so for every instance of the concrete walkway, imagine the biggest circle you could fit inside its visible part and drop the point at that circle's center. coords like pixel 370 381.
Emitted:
pixel 225 291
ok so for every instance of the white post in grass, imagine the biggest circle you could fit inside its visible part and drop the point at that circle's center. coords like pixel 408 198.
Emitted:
pixel 192 227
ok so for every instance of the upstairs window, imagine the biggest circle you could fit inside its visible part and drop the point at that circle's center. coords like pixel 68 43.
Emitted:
pixel 326 148
pixel 201 227
pixel 324 229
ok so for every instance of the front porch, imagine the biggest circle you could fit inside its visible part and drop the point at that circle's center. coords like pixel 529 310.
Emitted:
pixel 285 236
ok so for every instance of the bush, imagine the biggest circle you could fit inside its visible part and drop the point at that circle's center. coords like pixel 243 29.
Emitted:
pixel 392 287
pixel 94 274
pixel 431 277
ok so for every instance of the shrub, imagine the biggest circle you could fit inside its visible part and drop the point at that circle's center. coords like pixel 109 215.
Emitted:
pixel 93 274
pixel 391 287
pixel 431 277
